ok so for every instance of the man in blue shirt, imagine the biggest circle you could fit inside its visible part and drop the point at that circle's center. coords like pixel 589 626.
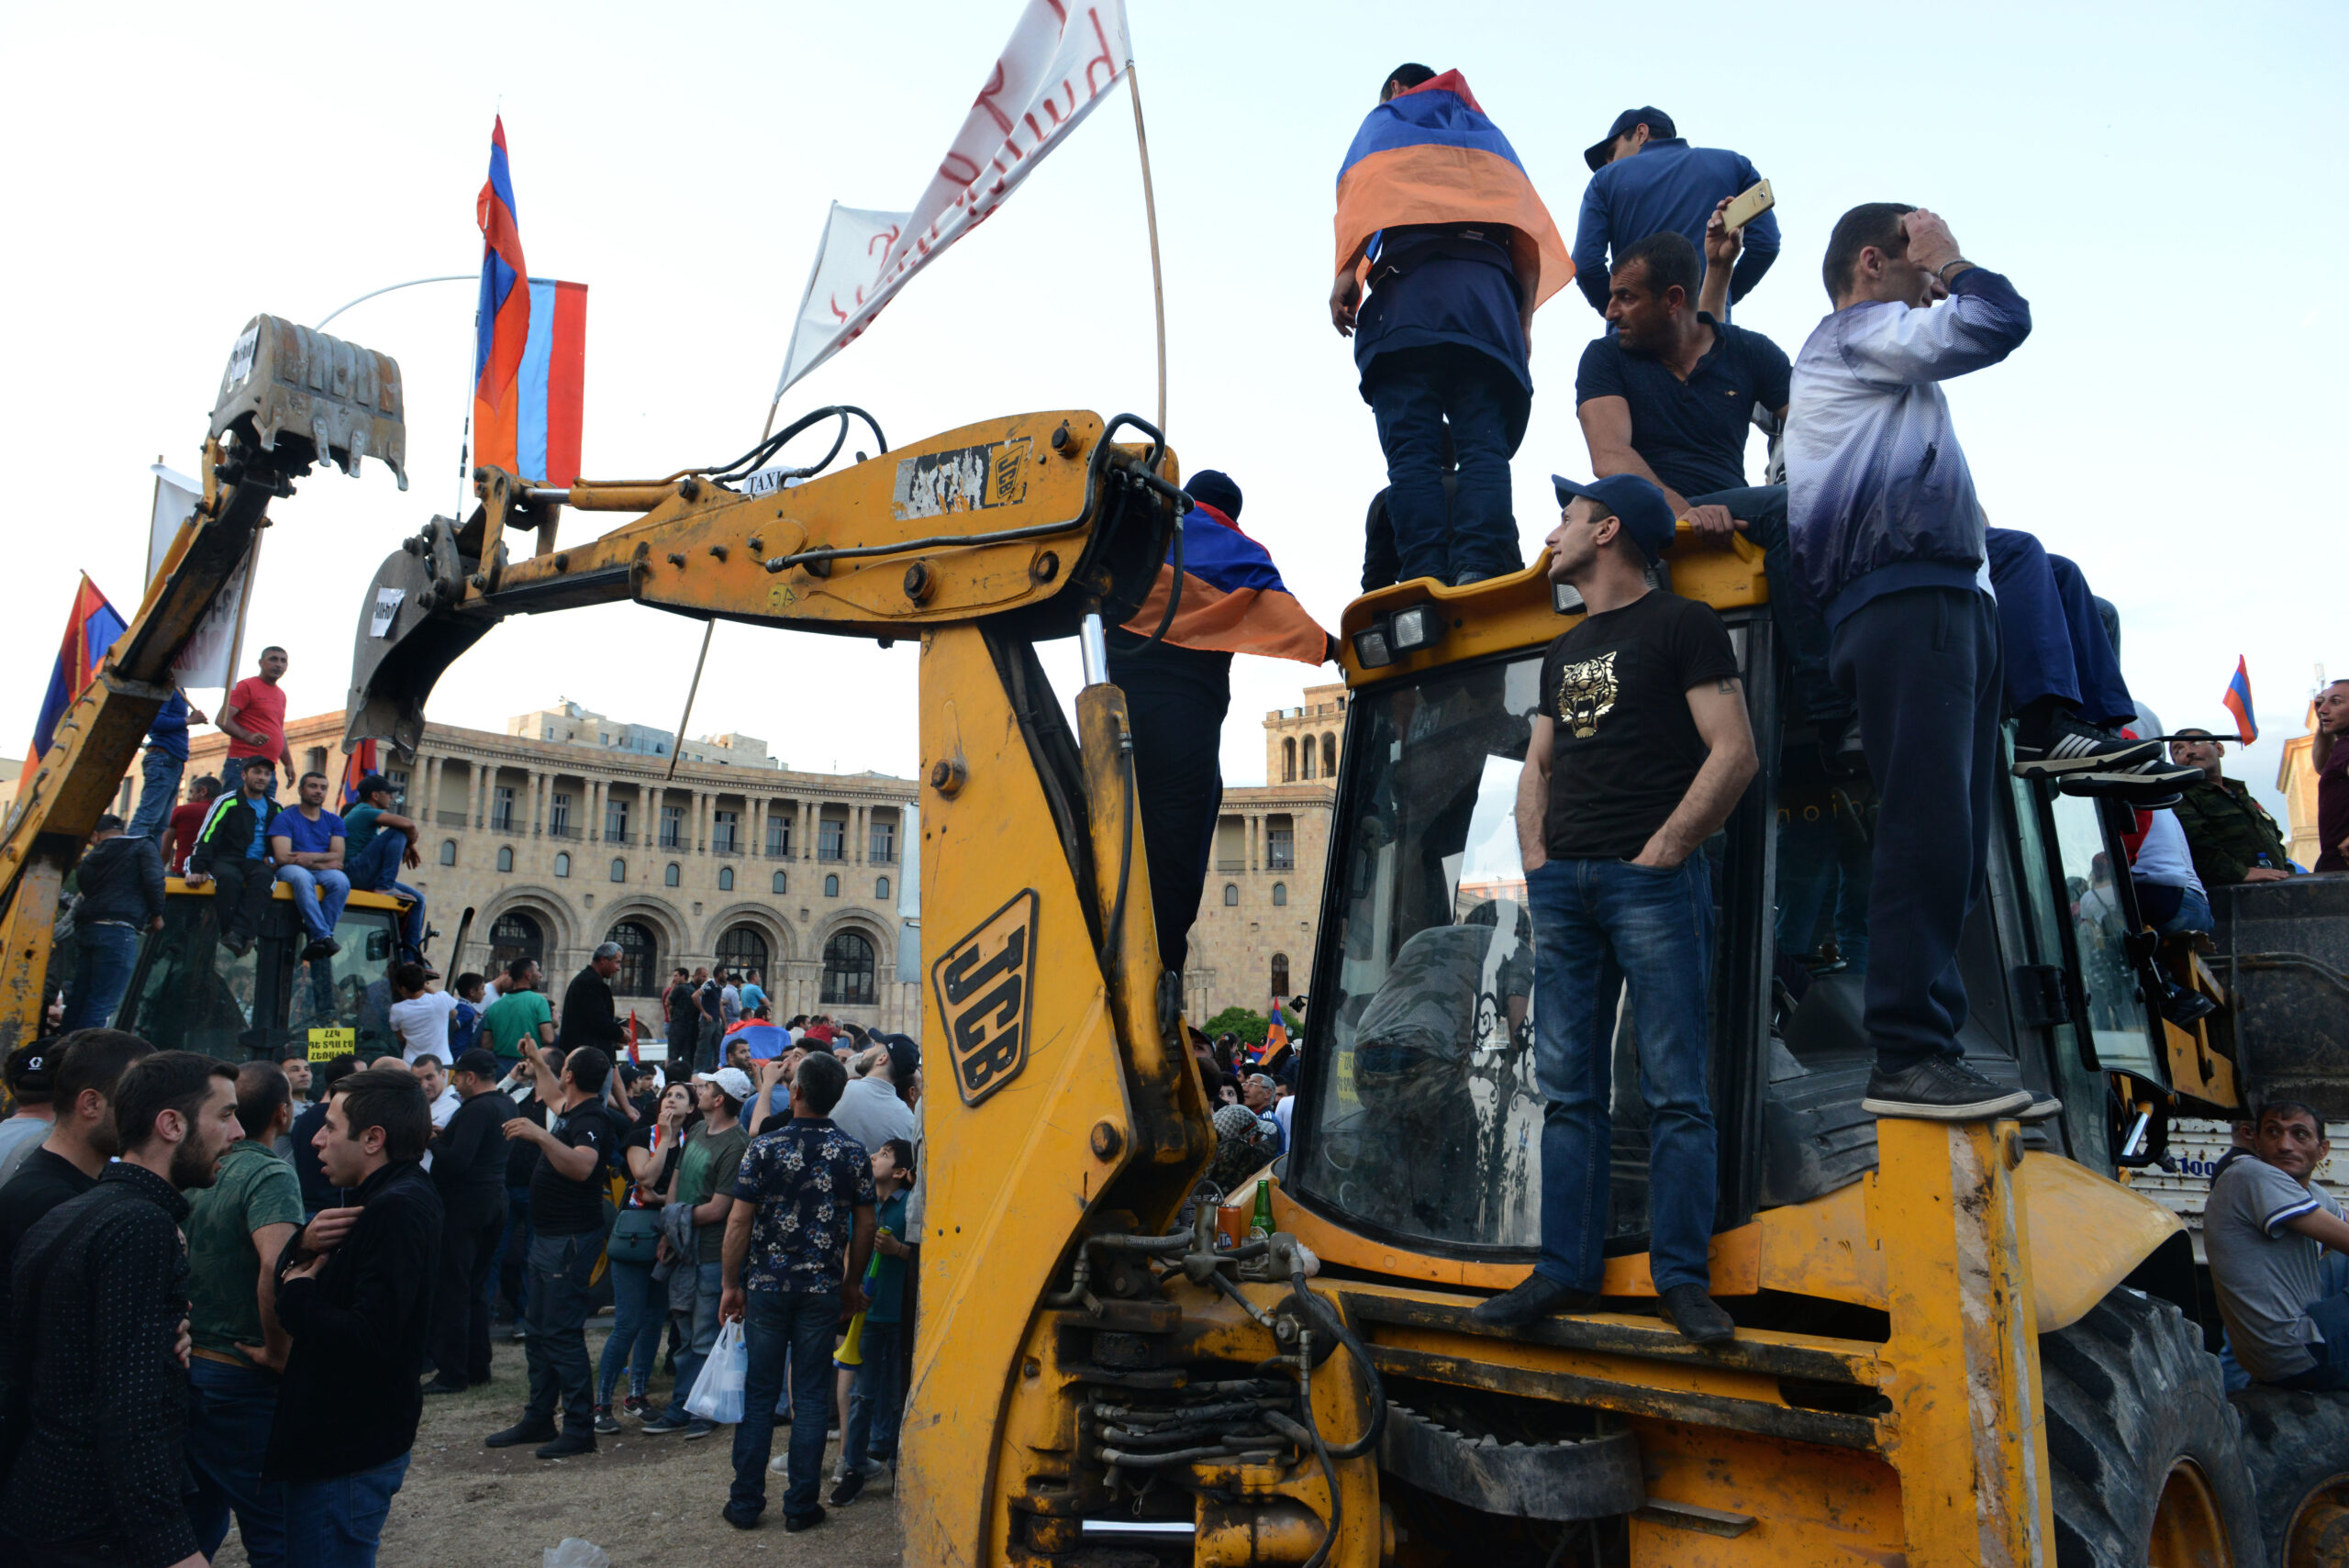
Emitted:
pixel 307 843
pixel 159 772
pixel 376 843
pixel 1645 178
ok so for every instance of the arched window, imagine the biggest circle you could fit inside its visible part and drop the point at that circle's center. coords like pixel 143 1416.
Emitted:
pixel 1307 771
pixel 881 888
pixel 1232 895
pixel 741 950
pixel 669 874
pixel 640 973
pixel 515 935
pixel 619 871
pixel 1280 975
pixel 831 887
pixel 448 851
pixel 848 971
pixel 725 879
pixel 1280 895
pixel 562 865
pixel 1328 756
pixel 505 857
pixel 1289 760
pixel 781 885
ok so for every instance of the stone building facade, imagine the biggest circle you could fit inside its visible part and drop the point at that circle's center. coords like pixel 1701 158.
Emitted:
pixel 557 846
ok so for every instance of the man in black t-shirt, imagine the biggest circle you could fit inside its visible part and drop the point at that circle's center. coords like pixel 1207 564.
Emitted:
pixel 567 1224
pixel 1640 751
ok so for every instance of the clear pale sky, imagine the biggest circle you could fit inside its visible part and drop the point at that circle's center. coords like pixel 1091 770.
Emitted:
pixel 2162 181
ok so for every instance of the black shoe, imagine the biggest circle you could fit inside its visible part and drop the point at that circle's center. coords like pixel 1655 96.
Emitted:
pixel 572 1441
pixel 236 946
pixel 794 1523
pixel 330 947
pixel 740 1518
pixel 434 1385
pixel 845 1493
pixel 1698 1315
pixel 1536 1296
pixel 2068 746
pixel 1941 1088
pixel 2183 1008
pixel 2041 1107
pixel 519 1433
pixel 606 1422
pixel 1844 758
pixel 2151 790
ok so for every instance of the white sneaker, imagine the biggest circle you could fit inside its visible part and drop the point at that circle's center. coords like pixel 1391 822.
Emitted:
pixel 780 1465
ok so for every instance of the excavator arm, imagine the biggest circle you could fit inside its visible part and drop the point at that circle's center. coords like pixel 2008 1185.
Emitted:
pixel 290 398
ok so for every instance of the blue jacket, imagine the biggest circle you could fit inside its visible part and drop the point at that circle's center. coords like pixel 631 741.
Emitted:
pixel 1666 185
pixel 168 734
pixel 1878 495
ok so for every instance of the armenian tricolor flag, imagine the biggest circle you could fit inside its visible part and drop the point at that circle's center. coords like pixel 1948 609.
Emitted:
pixel 90 631
pixel 529 348
pixel 359 764
pixel 1233 598
pixel 1430 155
pixel 2238 702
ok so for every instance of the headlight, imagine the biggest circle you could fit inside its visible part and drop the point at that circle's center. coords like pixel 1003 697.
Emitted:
pixel 1565 598
pixel 1371 647
pixel 1415 628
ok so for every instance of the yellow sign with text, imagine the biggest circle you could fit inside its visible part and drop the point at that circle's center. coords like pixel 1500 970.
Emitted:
pixel 328 1044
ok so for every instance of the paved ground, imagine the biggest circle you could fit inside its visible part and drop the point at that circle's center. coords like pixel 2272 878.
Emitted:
pixel 644 1500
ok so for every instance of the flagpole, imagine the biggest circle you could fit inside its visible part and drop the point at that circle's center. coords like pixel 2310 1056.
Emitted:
pixel 1150 210
pixel 677 747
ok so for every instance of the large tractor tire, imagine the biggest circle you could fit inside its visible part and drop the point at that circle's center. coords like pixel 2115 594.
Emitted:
pixel 2147 1457
pixel 2298 1446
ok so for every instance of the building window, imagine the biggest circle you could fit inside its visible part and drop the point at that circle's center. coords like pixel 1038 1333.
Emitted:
pixel 640 968
pixel 1232 895
pixel 672 828
pixel 725 879
pixel 615 821
pixel 501 809
pixel 1280 895
pixel 781 886
pixel 726 833
pixel 831 840
pixel 550 734
pixel 1305 769
pixel 1280 976
pixel 515 935
pixel 316 757
pixel 448 851
pixel 848 971
pixel 1289 760
pixel 885 841
pixel 881 888
pixel 1328 756
pixel 1280 844
pixel 619 871
pixel 831 886
pixel 669 874
pixel 505 857
pixel 559 816
pixel 562 867
pixel 743 949
pixel 778 838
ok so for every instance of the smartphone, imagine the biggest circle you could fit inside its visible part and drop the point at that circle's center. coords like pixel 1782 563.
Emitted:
pixel 1749 206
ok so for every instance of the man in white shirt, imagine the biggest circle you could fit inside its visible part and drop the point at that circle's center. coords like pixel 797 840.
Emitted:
pixel 420 1016
pixel 440 1097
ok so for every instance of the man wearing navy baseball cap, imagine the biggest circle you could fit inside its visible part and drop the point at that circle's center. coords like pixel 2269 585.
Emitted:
pixel 1645 178
pixel 1640 751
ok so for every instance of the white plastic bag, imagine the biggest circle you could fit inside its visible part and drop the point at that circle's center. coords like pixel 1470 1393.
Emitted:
pixel 717 1392
pixel 575 1554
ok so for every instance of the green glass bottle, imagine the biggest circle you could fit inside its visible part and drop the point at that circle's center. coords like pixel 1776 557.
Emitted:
pixel 1261 1224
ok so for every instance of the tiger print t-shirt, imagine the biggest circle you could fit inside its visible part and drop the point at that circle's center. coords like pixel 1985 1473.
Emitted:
pixel 1615 689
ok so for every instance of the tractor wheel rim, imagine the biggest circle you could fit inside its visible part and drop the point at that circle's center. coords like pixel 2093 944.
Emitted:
pixel 2188 1532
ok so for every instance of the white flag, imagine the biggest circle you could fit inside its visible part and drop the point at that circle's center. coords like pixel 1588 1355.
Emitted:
pixel 1063 57
pixel 203 662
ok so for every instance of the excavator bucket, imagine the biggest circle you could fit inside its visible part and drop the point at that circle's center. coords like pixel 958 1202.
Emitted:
pixel 407 636
pixel 339 399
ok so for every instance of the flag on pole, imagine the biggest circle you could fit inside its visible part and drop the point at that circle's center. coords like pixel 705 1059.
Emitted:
pixel 1062 57
pixel 1276 1032
pixel 549 402
pixel 501 318
pixel 357 767
pixel 90 631
pixel 2238 702
pixel 1233 599
pixel 632 1056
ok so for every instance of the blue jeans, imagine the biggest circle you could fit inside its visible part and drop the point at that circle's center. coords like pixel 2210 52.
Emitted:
pixel 636 1330
pixel 229 1414
pixel 2054 641
pixel 1598 924
pixel 337 1523
pixel 2172 910
pixel 1415 393
pixel 1821 863
pixel 107 952
pixel 376 869
pixel 556 1350
pixel 158 790
pixel 319 896
pixel 797 1325
pixel 878 1399
pixel 708 1288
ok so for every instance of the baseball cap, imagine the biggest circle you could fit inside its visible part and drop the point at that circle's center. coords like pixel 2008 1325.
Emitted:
pixel 1655 119
pixel 31 1070
pixel 733 1081
pixel 479 1063
pixel 1647 515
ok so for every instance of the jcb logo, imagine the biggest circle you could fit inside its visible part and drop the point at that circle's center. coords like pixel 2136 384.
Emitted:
pixel 985 987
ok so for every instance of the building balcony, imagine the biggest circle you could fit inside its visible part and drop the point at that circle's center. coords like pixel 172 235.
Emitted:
pixel 506 825
pixel 669 842
pixel 618 835
pixel 450 818
pixel 1229 866
pixel 733 849
pixel 562 830
pixel 783 854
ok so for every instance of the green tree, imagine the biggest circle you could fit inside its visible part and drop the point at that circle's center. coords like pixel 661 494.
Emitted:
pixel 1248 1024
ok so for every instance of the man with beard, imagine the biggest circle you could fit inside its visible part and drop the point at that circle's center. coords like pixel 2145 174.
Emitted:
pixel 101 1348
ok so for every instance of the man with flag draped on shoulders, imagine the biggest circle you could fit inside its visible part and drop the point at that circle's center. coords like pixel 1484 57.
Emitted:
pixel 1437 217
pixel 1178 688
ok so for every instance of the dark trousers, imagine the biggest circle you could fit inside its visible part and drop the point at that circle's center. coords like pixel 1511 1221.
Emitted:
pixel 228 1417
pixel 2052 639
pixel 556 1350
pixel 1921 667
pixel 106 954
pixel 1415 393
pixel 241 896
pixel 1763 509
pixel 469 1261
pixel 779 1327
pixel 1178 698
pixel 514 1250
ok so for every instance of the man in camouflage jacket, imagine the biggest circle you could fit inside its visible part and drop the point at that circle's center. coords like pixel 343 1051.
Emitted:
pixel 2232 837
